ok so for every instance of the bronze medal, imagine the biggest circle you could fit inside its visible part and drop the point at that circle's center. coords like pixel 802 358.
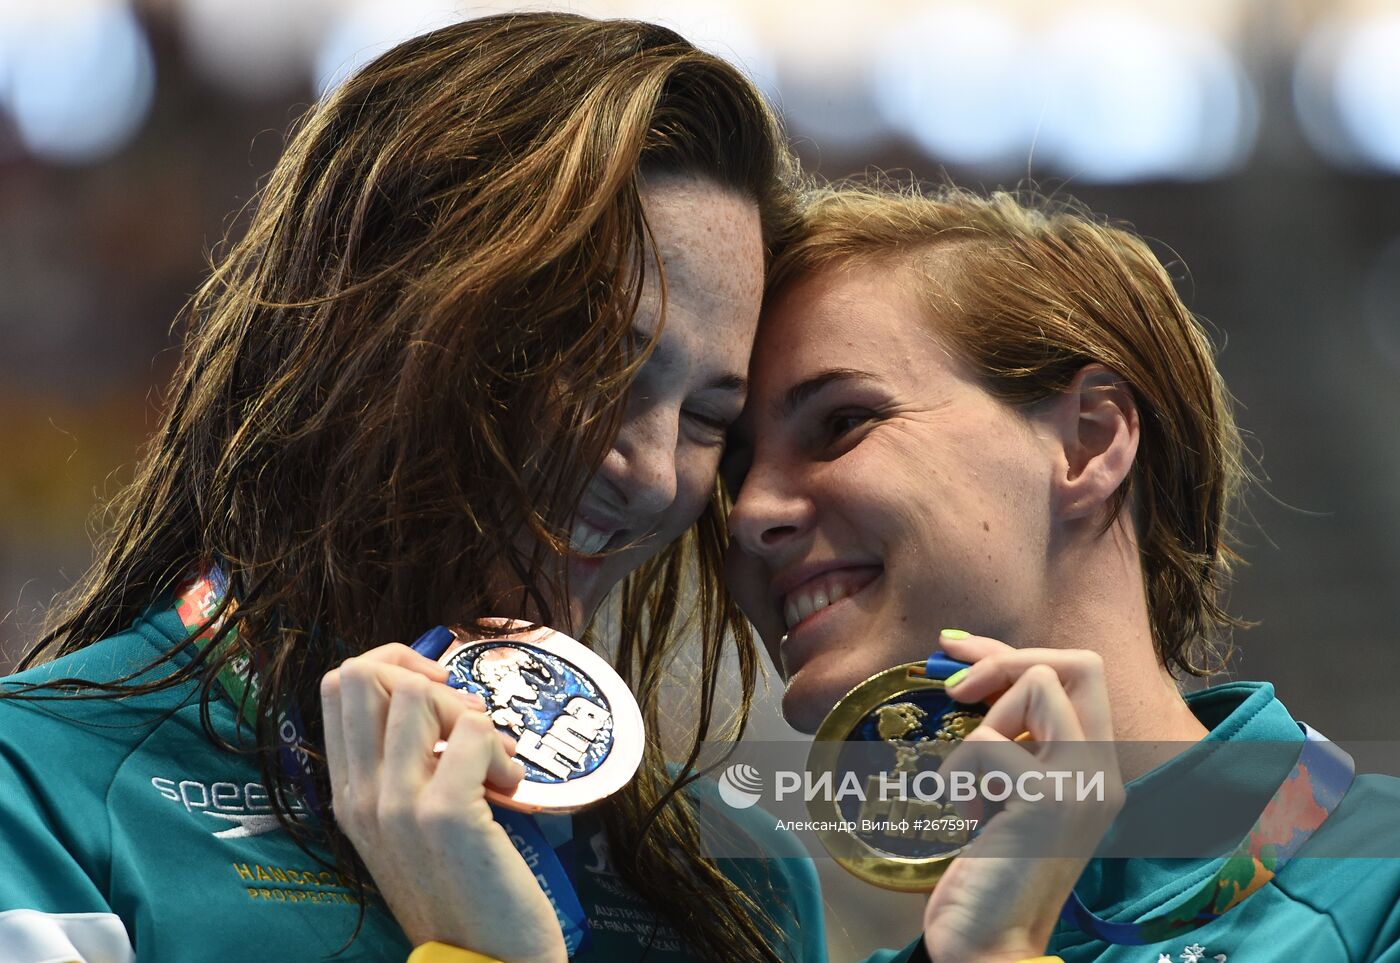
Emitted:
pixel 578 730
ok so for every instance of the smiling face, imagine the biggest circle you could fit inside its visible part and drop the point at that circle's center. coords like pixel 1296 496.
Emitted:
pixel 659 473
pixel 885 494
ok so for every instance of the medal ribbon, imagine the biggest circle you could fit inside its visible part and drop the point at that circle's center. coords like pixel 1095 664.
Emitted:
pixel 549 866
pixel 548 860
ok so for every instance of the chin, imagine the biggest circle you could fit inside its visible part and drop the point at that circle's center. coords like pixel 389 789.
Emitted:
pixel 809 697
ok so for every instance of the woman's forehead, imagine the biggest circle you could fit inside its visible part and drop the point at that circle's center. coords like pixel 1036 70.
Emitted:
pixel 848 318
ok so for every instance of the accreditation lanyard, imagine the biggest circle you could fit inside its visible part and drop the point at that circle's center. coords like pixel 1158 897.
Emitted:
pixel 549 851
pixel 547 847
pixel 1319 779
pixel 196 601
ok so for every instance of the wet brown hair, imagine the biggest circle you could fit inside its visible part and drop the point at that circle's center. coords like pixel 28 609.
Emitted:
pixel 1028 291
pixel 418 350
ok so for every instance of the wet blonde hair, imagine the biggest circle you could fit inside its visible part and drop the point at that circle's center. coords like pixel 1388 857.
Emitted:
pixel 1028 292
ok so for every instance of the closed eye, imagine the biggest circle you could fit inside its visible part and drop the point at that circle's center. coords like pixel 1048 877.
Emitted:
pixel 710 428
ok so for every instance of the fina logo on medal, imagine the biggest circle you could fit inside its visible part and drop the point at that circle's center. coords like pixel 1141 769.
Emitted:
pixel 561 722
pixel 577 728
pixel 740 785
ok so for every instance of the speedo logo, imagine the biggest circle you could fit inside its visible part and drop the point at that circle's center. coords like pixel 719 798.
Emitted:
pixel 243 809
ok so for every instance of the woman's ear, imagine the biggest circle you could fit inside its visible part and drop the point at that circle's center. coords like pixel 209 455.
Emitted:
pixel 1097 424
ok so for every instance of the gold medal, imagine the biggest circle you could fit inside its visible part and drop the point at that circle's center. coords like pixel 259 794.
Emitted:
pixel 578 730
pixel 884 742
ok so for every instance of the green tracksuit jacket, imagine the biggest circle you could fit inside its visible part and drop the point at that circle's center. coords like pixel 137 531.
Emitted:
pixel 1341 907
pixel 124 834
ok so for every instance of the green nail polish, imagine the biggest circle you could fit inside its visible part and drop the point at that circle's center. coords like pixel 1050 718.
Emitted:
pixel 954 679
pixel 954 634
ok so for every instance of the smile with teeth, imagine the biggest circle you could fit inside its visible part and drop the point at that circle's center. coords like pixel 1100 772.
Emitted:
pixel 827 589
pixel 585 538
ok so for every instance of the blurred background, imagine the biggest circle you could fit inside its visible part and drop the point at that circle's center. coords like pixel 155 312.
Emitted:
pixel 1256 141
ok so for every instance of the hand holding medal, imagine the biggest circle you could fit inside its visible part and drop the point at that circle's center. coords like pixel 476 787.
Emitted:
pixel 989 905
pixel 419 818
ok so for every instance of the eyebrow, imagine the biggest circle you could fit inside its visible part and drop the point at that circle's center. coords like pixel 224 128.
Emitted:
pixel 801 392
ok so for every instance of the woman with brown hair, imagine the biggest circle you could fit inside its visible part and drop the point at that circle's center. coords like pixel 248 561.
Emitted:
pixel 474 356
pixel 978 412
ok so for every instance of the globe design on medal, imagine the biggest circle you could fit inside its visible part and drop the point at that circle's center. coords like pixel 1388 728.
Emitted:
pixel 527 691
pixel 908 734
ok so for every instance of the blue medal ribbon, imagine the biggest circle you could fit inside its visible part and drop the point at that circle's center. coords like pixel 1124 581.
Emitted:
pixel 940 667
pixel 549 854
pixel 548 863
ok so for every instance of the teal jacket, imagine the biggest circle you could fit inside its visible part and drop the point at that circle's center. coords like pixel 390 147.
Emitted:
pixel 1340 907
pixel 1343 907
pixel 125 834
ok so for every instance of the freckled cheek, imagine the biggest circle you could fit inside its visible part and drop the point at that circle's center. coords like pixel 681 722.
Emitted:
pixel 1015 510
pixel 915 513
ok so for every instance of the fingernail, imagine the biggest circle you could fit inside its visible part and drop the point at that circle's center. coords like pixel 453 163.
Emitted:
pixel 471 696
pixel 954 634
pixel 954 679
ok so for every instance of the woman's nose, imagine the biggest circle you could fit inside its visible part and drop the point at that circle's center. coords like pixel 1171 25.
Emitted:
pixel 641 464
pixel 769 512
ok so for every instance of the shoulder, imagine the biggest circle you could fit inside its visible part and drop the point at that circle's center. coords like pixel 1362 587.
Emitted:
pixel 1362 826
pixel 59 756
pixel 43 731
pixel 110 659
pixel 1350 869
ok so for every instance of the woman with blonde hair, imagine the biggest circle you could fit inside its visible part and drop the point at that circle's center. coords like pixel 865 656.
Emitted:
pixel 976 412
pixel 474 356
